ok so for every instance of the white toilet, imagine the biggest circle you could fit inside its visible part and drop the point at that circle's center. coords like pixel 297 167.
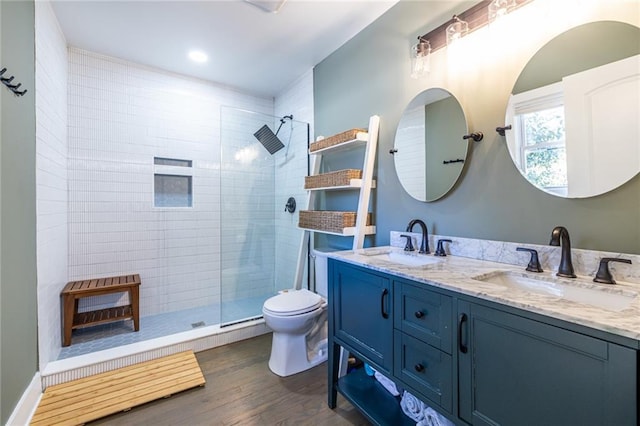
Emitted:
pixel 298 319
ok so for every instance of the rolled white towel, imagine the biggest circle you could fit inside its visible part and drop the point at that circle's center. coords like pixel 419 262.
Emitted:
pixel 433 418
pixel 386 383
pixel 412 407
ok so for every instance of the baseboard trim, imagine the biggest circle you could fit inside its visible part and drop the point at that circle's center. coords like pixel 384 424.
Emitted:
pixel 27 404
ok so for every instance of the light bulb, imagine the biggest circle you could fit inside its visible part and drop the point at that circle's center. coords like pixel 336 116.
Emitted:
pixel 420 58
pixel 456 30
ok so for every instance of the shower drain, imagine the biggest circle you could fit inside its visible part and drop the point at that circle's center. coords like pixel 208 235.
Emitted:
pixel 197 324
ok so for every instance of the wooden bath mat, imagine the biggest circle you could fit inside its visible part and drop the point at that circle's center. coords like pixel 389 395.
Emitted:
pixel 93 397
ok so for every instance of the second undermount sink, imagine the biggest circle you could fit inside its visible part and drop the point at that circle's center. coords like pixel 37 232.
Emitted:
pixel 406 259
pixel 612 299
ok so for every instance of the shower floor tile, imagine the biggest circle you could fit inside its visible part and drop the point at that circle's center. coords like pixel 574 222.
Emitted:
pixel 111 335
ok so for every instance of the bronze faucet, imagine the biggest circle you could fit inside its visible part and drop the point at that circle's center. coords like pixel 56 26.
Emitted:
pixel 559 234
pixel 424 245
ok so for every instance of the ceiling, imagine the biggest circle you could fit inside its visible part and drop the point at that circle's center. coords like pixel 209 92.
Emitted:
pixel 248 48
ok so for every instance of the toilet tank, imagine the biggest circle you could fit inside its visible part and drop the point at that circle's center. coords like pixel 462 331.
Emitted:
pixel 321 270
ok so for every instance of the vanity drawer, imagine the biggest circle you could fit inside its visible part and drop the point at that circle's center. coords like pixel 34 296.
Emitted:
pixel 423 314
pixel 425 368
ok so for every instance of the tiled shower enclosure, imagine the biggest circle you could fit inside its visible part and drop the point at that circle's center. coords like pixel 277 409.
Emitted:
pixel 163 178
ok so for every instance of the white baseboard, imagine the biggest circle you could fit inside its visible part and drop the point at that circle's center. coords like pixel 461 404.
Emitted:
pixel 28 403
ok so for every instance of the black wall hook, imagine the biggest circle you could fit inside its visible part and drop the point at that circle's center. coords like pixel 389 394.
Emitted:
pixel 501 130
pixel 476 136
pixel 13 87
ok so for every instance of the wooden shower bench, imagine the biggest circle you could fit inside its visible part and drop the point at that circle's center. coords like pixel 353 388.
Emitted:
pixel 76 290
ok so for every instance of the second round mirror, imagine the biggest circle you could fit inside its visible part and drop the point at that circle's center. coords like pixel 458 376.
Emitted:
pixel 429 152
pixel 574 111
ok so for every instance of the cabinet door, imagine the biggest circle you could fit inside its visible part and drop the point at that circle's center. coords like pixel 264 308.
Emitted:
pixel 513 370
pixel 362 314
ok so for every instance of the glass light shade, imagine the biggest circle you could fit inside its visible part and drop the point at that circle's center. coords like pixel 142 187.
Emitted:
pixel 499 8
pixel 456 30
pixel 420 59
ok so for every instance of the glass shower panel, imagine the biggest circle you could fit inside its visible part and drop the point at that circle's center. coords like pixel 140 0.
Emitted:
pixel 259 239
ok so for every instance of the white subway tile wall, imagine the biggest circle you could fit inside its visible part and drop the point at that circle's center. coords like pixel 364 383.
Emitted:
pixel 51 177
pixel 289 181
pixel 121 116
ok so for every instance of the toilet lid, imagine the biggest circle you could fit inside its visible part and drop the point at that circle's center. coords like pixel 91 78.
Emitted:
pixel 293 302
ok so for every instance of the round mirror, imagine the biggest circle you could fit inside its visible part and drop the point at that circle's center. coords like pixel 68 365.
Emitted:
pixel 575 111
pixel 429 152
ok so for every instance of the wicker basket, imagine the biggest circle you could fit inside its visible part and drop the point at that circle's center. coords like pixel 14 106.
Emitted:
pixel 327 180
pixel 331 221
pixel 335 139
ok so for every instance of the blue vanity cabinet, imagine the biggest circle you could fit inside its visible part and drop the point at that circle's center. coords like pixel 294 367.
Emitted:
pixel 475 361
pixel 514 370
pixel 362 313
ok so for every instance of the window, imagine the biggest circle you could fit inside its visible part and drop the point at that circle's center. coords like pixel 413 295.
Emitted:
pixel 543 149
pixel 539 130
pixel 172 183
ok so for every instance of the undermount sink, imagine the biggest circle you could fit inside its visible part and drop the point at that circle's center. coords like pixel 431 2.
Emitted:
pixel 590 294
pixel 406 259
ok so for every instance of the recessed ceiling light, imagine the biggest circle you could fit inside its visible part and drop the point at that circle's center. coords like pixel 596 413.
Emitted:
pixel 198 56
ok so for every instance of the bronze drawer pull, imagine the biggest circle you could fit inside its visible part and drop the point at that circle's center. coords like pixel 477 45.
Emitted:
pixel 385 314
pixel 419 314
pixel 419 368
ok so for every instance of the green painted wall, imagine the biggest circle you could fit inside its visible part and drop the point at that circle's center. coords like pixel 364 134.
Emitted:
pixel 370 75
pixel 18 326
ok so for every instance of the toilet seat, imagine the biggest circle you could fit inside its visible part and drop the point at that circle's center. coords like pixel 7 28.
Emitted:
pixel 293 303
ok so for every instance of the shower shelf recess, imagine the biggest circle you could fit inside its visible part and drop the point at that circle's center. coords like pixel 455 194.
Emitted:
pixel 349 140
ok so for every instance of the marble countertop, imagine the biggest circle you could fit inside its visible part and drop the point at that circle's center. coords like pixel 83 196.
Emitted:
pixel 457 274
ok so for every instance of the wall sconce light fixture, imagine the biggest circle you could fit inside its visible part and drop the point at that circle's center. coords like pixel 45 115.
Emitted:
pixel 420 58
pixel 456 30
pixel 499 8
pixel 470 20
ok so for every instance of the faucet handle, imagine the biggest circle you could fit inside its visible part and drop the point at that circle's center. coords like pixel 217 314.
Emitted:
pixel 604 275
pixel 409 245
pixel 534 263
pixel 440 250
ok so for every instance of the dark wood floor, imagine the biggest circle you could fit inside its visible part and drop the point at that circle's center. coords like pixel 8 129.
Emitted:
pixel 241 390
